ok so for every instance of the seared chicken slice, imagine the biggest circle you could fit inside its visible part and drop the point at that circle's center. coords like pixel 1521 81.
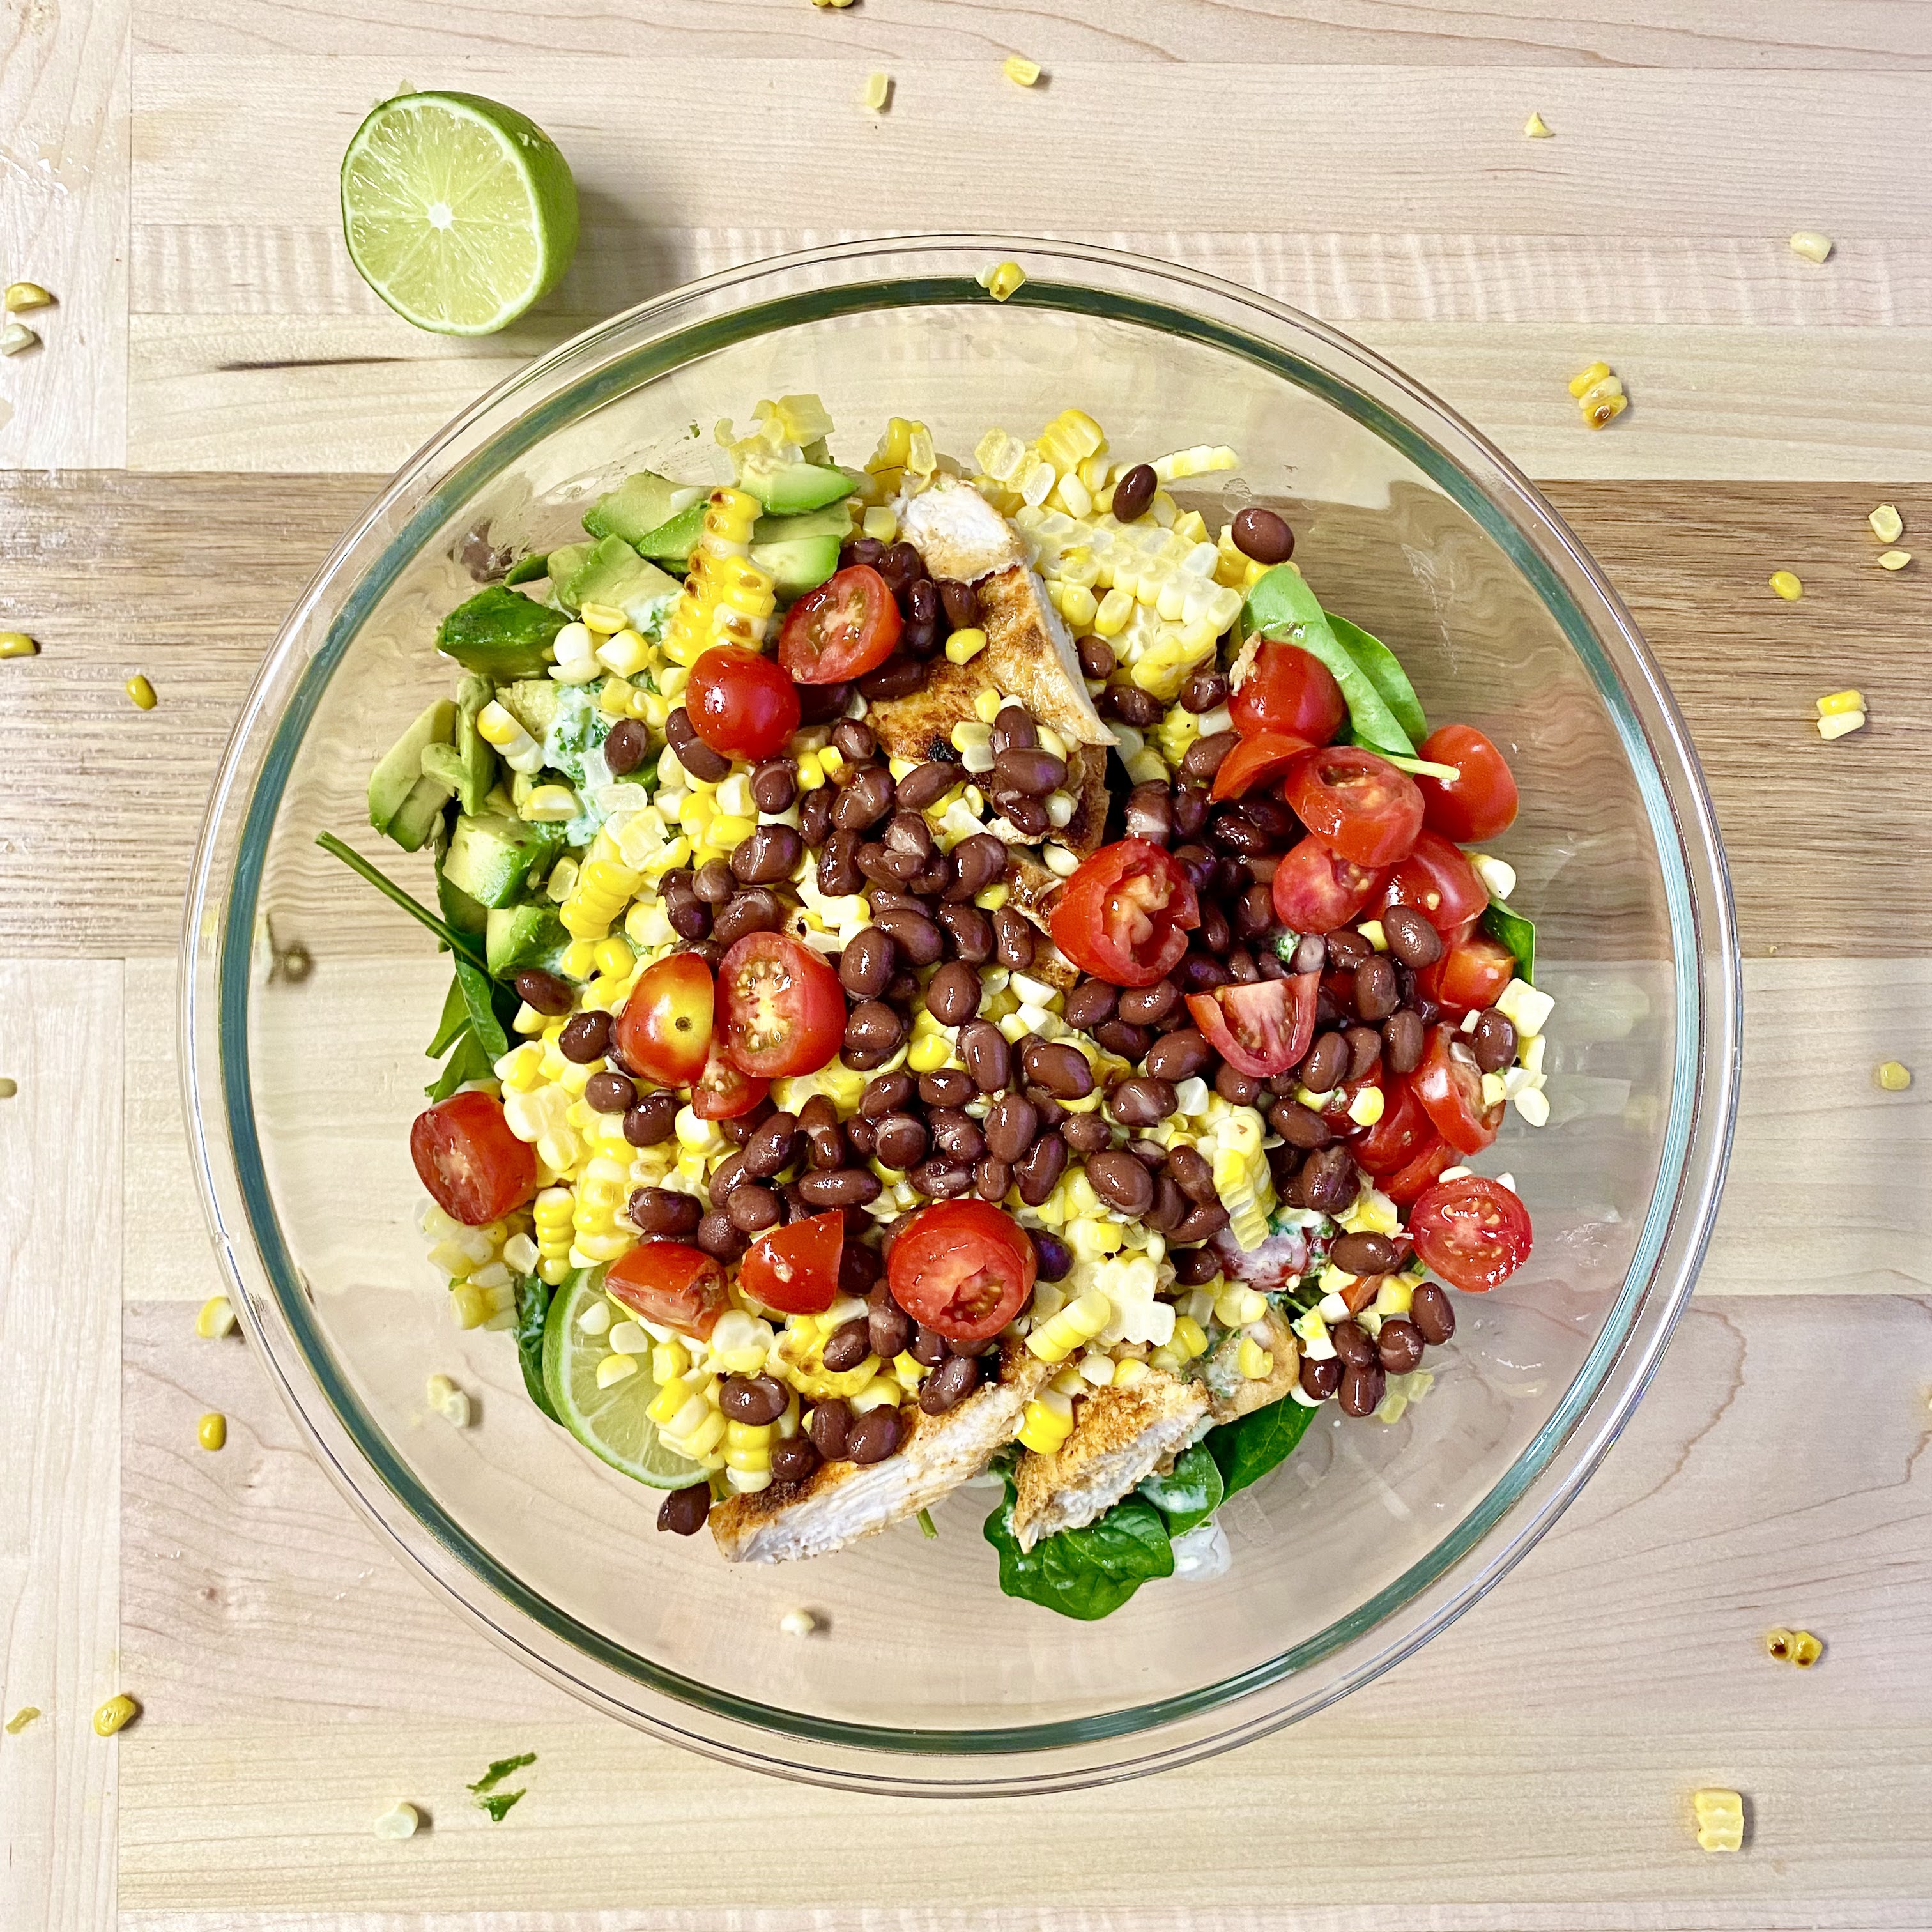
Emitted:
pixel 959 534
pixel 841 1503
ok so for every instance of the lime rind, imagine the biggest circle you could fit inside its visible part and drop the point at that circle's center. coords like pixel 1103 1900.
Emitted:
pixel 614 1424
pixel 458 211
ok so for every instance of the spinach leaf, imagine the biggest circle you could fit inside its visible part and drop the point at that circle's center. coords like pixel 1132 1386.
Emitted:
pixel 1086 1573
pixel 1251 1446
pixel 468 1063
pixel 1515 932
pixel 533 1295
pixel 1281 605
pixel 1190 1492
pixel 478 996
pixel 1383 670
pixel 453 1024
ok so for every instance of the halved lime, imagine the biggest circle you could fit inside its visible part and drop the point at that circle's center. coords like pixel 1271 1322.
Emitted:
pixel 458 211
pixel 613 1423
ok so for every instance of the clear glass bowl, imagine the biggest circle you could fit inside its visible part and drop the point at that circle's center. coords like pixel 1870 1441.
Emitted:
pixel 922 1677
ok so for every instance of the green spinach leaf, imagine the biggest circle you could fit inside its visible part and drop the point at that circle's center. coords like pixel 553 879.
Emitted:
pixel 1190 1492
pixel 1085 1573
pixel 1383 669
pixel 533 1295
pixel 479 996
pixel 1280 604
pixel 453 1024
pixel 1248 1448
pixel 1515 932
pixel 468 1063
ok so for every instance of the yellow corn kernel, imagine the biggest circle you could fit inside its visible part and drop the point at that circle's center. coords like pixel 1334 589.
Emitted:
pixel 929 1054
pixel 963 646
pixel 17 644
pixel 1190 1339
pixel 141 693
pixel 1238 1305
pixel 1366 1108
pixel 1813 246
pixel 1894 560
pixel 1255 1363
pixel 1837 701
pixel 1837 727
pixel 614 957
pixel 115 1714
pixel 217 1318
pixel 1077 1323
pixel 23 295
pixel 1786 583
pixel 1022 73
pixel 878 88
pixel 1805 1649
pixel 1893 1075
pixel 615 1368
pixel 881 525
pixel 605 617
pixel 1777 1644
pixel 1721 1820
pixel 1537 129
pixel 1887 525
pixel 1003 280
pixel 1589 379
pixel 1042 1431
pixel 670 1360
pixel 212 1431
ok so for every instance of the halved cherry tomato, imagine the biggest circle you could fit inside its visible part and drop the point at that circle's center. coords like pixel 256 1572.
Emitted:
pixel 1479 802
pixel 1260 759
pixel 1449 1084
pixel 1470 975
pixel 740 703
pixel 1288 690
pixel 1439 883
pixel 964 1268
pixel 1474 1232
pixel 722 1092
pixel 475 1169
pixel 795 1269
pixel 669 1283
pixel 1358 805
pixel 1409 1183
pixel 1125 914
pixel 848 625
pixel 1260 1028
pixel 664 1031
pixel 1340 1121
pixel 1315 892
pixel 1402 1133
pixel 781 1009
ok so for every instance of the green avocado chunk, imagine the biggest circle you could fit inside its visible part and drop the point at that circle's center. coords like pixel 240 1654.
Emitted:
pixel 561 566
pixel 491 858
pixel 522 935
pixel 500 633
pixel 790 488
pixel 399 773
pixel 798 565
pixel 676 537
pixel 638 504
pixel 614 574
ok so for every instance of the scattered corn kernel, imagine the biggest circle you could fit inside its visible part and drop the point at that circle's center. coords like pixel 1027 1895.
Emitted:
pixel 399 1822
pixel 16 337
pixel 21 1719
pixel 1721 1820
pixel 216 1318
pixel 878 88
pixel 1021 72
pixel 1537 129
pixel 798 1623
pixel 1777 1644
pixel 1894 560
pixel 8 1088
pixel 966 644
pixel 1786 583
pixel 22 295
pixel 1003 280
pixel 1834 703
pixel 17 644
pixel 1894 1076
pixel 1805 1649
pixel 212 1431
pixel 115 1714
pixel 1813 246
pixel 1600 395
pixel 448 1400
pixel 1887 525
pixel 141 693
pixel 1837 727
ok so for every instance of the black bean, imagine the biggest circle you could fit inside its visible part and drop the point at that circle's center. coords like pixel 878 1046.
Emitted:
pixel 1130 705
pixel 1194 1268
pixel 1202 973
pixel 955 1134
pixel 1326 1064
pixel 875 1436
pixel 889 1093
pixel 988 1058
pixel 1376 994
pixel 1014 938
pixel 1362 1389
pixel 855 740
pixel 1404 1038
pixel 1013 729
pixel 1149 813
pixel 1492 1040
pixel 962 604
pixel 1411 938
pixel 585 1037
pixel 689 917
pixel 945 1087
pixel 847 1345
pixel 1262 534
pixel 1097 658
pixel 1347 950
pixel 969 932
pixel 1203 691
pixel 814 817
pixel 1053 1258
pixel 1202 759
pixel 1205 1218
pixel 1433 1314
pixel 544 992
pixel 991 1177
pixel 1398 1346
pixel 696 756
pixel 953 993
pixel 683 1512
pixel 899 676
pixel 609 1093
pixel 1327 1180
pixel 1179 1055
pixel 831 1422
pixel 1032 772
pixel 887 1324
pixel 628 746
pixel 1365 1050
pixel 1320 1379
pixel 949 1384
pixel 739 1128
pixel 977 862
pixel 1119 1178
pixel 1141 1100
pixel 1148 1006
pixel 943 1178
pixel 820 703
pixel 926 784
pixel 1061 1070
pixel 918 938
pixel 1363 1254
pixel 769 854
pixel 859 1267
pixel 1038 1174
pixel 865 967
pixel 873 1031
pixel 840 1187
pixel 1192 1175
pixel 1134 493
pixel 1012 1123
pixel 793 1460
pixel 663 1213
pixel 757 909
pixel 653 1120
pixel 773 1148
pixel 775 785
pixel 900 1140
pixel 865 801
pixel 1171 1207
pixel 757 1399
pixel 1352 1343
pixel 927 1347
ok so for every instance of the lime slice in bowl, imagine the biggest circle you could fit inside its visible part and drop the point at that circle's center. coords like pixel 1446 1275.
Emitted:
pixel 614 1424
pixel 458 211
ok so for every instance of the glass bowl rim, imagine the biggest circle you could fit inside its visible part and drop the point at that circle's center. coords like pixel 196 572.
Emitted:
pixel 734 306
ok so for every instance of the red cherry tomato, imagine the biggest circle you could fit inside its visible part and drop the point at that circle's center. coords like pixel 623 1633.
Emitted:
pixel 849 625
pixel 964 1268
pixel 1260 759
pixel 1125 915
pixel 1358 805
pixel 475 1169
pixel 1261 1028
pixel 1409 1183
pixel 781 1009
pixel 741 704
pixel 1439 883
pixel 1288 690
pixel 670 1283
pixel 1315 892
pixel 1449 1084
pixel 1479 802
pixel 1473 1232
pixel 1337 1114
pixel 663 1031
pixel 722 1092
pixel 1402 1133
pixel 795 1269
pixel 1470 975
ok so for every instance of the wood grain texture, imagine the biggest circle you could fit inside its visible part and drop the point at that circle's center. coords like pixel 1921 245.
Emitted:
pixel 278 1728
pixel 187 578
pixel 63 187
pixel 60 1490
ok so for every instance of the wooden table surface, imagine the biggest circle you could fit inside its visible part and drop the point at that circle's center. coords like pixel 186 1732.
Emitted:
pixel 217 393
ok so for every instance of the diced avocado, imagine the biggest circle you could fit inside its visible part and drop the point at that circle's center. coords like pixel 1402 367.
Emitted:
pixel 522 935
pixel 561 566
pixel 798 565
pixel 490 858
pixel 789 487
pixel 638 504
pixel 614 574
pixel 465 914
pixel 527 569
pixel 834 520
pixel 501 633
pixel 479 761
pixel 674 539
pixel 532 702
pixel 400 770
pixel 419 814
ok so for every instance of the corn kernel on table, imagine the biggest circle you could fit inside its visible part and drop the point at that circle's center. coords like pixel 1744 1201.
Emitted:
pixel 214 395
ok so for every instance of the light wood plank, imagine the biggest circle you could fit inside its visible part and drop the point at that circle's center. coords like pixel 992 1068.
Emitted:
pixel 60 1394
pixel 64 190
pixel 252 1595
